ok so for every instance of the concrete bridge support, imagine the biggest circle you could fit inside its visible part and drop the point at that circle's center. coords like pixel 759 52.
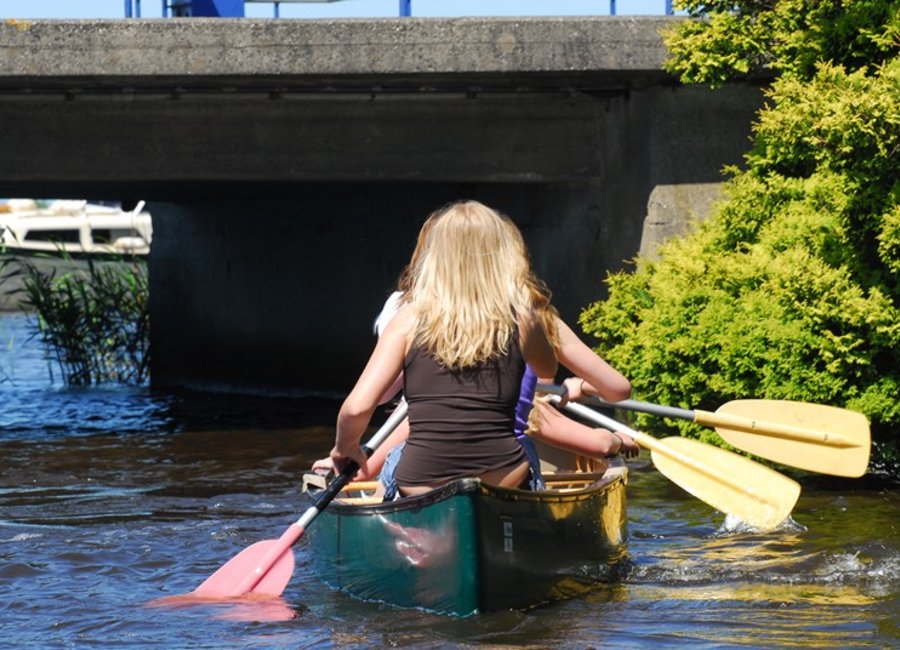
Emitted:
pixel 278 290
pixel 289 164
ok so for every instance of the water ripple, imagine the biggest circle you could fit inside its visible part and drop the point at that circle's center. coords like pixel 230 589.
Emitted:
pixel 111 499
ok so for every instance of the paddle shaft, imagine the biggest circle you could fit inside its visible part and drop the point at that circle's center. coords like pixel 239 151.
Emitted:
pixel 295 531
pixel 644 440
pixel 658 446
pixel 734 422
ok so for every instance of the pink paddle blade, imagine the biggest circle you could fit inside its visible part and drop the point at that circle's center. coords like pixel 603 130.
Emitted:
pixel 265 568
pixel 227 581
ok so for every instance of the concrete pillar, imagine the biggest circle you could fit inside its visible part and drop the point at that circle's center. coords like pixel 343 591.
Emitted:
pixel 674 210
pixel 279 295
pixel 276 292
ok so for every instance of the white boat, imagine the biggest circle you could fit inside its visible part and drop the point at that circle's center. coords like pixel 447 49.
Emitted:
pixel 74 227
pixel 61 236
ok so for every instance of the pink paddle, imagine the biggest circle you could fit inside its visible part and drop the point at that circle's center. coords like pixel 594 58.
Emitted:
pixel 266 567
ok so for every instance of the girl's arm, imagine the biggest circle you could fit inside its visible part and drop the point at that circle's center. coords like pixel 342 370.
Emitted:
pixel 376 461
pixel 594 376
pixel 599 378
pixel 391 392
pixel 383 367
pixel 537 349
pixel 563 432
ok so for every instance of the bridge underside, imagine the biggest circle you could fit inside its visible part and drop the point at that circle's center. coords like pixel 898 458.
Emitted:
pixel 284 206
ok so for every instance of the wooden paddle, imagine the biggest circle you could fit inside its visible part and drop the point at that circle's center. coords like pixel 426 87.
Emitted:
pixel 730 483
pixel 813 437
pixel 266 567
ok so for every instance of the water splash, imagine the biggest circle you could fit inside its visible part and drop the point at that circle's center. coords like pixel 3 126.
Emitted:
pixel 734 526
pixel 21 537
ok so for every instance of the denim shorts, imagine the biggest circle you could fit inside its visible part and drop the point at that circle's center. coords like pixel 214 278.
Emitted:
pixel 388 470
pixel 536 482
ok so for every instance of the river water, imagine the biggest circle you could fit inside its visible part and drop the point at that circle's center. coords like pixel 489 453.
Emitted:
pixel 111 498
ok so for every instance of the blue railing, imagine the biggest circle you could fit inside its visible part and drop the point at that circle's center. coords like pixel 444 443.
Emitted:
pixel 234 8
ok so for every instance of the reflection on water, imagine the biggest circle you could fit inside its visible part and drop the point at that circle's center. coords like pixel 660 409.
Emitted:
pixel 252 608
pixel 112 498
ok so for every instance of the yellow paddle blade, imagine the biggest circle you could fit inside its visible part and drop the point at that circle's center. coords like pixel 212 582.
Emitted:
pixel 813 437
pixel 733 484
pixel 728 482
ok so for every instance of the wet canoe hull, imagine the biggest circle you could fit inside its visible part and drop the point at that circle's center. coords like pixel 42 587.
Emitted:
pixel 468 547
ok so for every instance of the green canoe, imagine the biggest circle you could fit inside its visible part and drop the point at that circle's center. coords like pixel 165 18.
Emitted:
pixel 469 547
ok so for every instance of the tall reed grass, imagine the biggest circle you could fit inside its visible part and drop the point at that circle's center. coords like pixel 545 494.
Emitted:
pixel 93 319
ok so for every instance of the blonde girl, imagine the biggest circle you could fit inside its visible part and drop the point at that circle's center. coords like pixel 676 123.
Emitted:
pixel 470 321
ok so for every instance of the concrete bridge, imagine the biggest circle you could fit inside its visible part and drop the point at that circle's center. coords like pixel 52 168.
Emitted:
pixel 289 164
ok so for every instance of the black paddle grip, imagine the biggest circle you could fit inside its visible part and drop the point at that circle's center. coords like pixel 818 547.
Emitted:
pixel 338 482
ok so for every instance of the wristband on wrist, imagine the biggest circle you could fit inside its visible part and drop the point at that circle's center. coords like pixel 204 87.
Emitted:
pixel 619 438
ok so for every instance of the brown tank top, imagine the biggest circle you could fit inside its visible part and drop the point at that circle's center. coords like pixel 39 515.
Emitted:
pixel 461 422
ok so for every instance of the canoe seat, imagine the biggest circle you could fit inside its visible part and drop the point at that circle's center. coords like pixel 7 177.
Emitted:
pixel 360 501
pixel 571 481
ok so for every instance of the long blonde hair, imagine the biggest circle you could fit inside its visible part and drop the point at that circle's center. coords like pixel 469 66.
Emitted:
pixel 471 286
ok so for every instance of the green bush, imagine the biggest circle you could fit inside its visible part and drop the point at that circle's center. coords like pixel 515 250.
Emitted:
pixel 745 38
pixel 790 290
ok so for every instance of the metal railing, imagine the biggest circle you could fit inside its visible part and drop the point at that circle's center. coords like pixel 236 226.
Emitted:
pixel 180 8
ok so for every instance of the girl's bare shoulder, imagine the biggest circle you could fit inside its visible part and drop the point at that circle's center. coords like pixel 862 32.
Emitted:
pixel 402 323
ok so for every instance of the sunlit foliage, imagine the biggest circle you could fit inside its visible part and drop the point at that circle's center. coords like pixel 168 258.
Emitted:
pixel 791 289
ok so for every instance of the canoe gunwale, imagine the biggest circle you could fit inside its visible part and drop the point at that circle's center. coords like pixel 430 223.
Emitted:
pixel 452 489
pixel 468 485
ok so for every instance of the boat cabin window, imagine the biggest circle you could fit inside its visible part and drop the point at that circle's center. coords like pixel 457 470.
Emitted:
pixel 61 235
pixel 111 235
pixel 103 235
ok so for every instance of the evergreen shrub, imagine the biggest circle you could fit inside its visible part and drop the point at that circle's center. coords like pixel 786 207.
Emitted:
pixel 790 290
